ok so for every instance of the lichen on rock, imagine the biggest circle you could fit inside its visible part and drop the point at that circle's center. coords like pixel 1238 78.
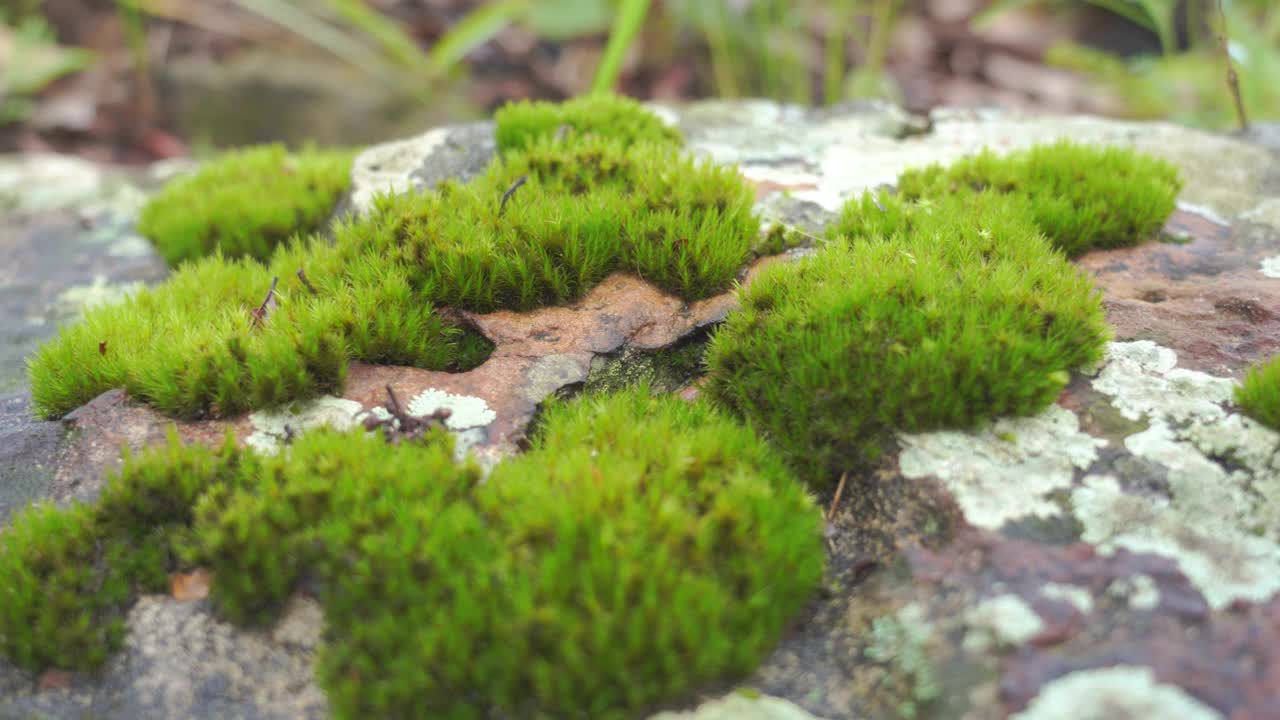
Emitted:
pixel 1114 692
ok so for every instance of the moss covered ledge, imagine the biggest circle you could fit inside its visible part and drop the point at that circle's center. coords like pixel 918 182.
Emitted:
pixel 642 548
pixel 547 221
pixel 943 305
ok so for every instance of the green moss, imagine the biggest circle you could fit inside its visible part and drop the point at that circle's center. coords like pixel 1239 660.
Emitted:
pixel 522 124
pixel 778 239
pixel 664 371
pixel 642 547
pixel 194 348
pixel 245 203
pixel 1259 395
pixel 1081 197
pixel 61 606
pixel 71 573
pixel 939 307
pixel 969 315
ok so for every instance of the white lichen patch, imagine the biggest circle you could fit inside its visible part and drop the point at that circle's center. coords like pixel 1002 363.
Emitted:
pixel 1220 520
pixel 1122 692
pixel 1003 621
pixel 465 411
pixel 741 706
pixel 72 302
pixel 1203 211
pixel 467 420
pixel 388 168
pixel 1267 212
pixel 272 429
pixel 1079 597
pixel 1139 591
pixel 130 246
pixel 1271 267
pixel 1006 471
pixel 43 182
pixel 1143 380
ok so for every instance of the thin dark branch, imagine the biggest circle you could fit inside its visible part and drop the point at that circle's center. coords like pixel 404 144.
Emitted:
pixel 303 277
pixel 1233 81
pixel 400 425
pixel 260 315
pixel 393 405
pixel 511 191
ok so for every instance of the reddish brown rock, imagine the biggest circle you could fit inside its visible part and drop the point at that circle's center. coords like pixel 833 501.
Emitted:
pixel 1206 298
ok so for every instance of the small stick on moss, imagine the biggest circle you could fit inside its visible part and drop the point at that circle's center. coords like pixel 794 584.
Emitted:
pixel 1233 80
pixel 260 315
pixel 303 277
pixel 401 425
pixel 511 191
pixel 102 347
pixel 394 407
pixel 562 132
pixel 835 501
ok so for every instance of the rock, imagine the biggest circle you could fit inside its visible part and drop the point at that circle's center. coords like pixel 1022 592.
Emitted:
pixel 740 706
pixel 180 661
pixel 1117 555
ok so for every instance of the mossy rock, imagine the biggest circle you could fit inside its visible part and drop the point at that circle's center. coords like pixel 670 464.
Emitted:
pixel 940 307
pixel 641 548
pixel 541 227
pixel 245 203
pixel 1082 197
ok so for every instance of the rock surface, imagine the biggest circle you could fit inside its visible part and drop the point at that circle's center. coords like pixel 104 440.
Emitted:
pixel 1117 555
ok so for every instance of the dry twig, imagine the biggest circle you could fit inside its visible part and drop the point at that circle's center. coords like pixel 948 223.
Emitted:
pixel 268 303
pixel 511 191
pixel 1233 80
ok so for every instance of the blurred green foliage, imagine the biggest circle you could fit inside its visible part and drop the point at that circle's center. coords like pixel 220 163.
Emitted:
pixel 30 59
pixel 1187 82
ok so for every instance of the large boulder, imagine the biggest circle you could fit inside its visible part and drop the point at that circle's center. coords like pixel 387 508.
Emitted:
pixel 1116 555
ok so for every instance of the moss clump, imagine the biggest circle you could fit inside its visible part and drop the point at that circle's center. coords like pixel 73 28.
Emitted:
pixel 1259 395
pixel 69 574
pixel 524 123
pixel 1081 197
pixel 969 315
pixel 61 607
pixel 245 203
pixel 642 547
pixel 586 209
pixel 195 347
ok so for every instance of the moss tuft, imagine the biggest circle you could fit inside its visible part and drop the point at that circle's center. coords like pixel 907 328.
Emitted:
pixel 71 573
pixel 1259 395
pixel 642 547
pixel 967 314
pixel 245 203
pixel 194 348
pixel 1082 197
pixel 61 606
pixel 522 124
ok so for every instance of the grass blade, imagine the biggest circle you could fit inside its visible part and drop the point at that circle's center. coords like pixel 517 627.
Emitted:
pixel 474 30
pixel 625 28
pixel 394 41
